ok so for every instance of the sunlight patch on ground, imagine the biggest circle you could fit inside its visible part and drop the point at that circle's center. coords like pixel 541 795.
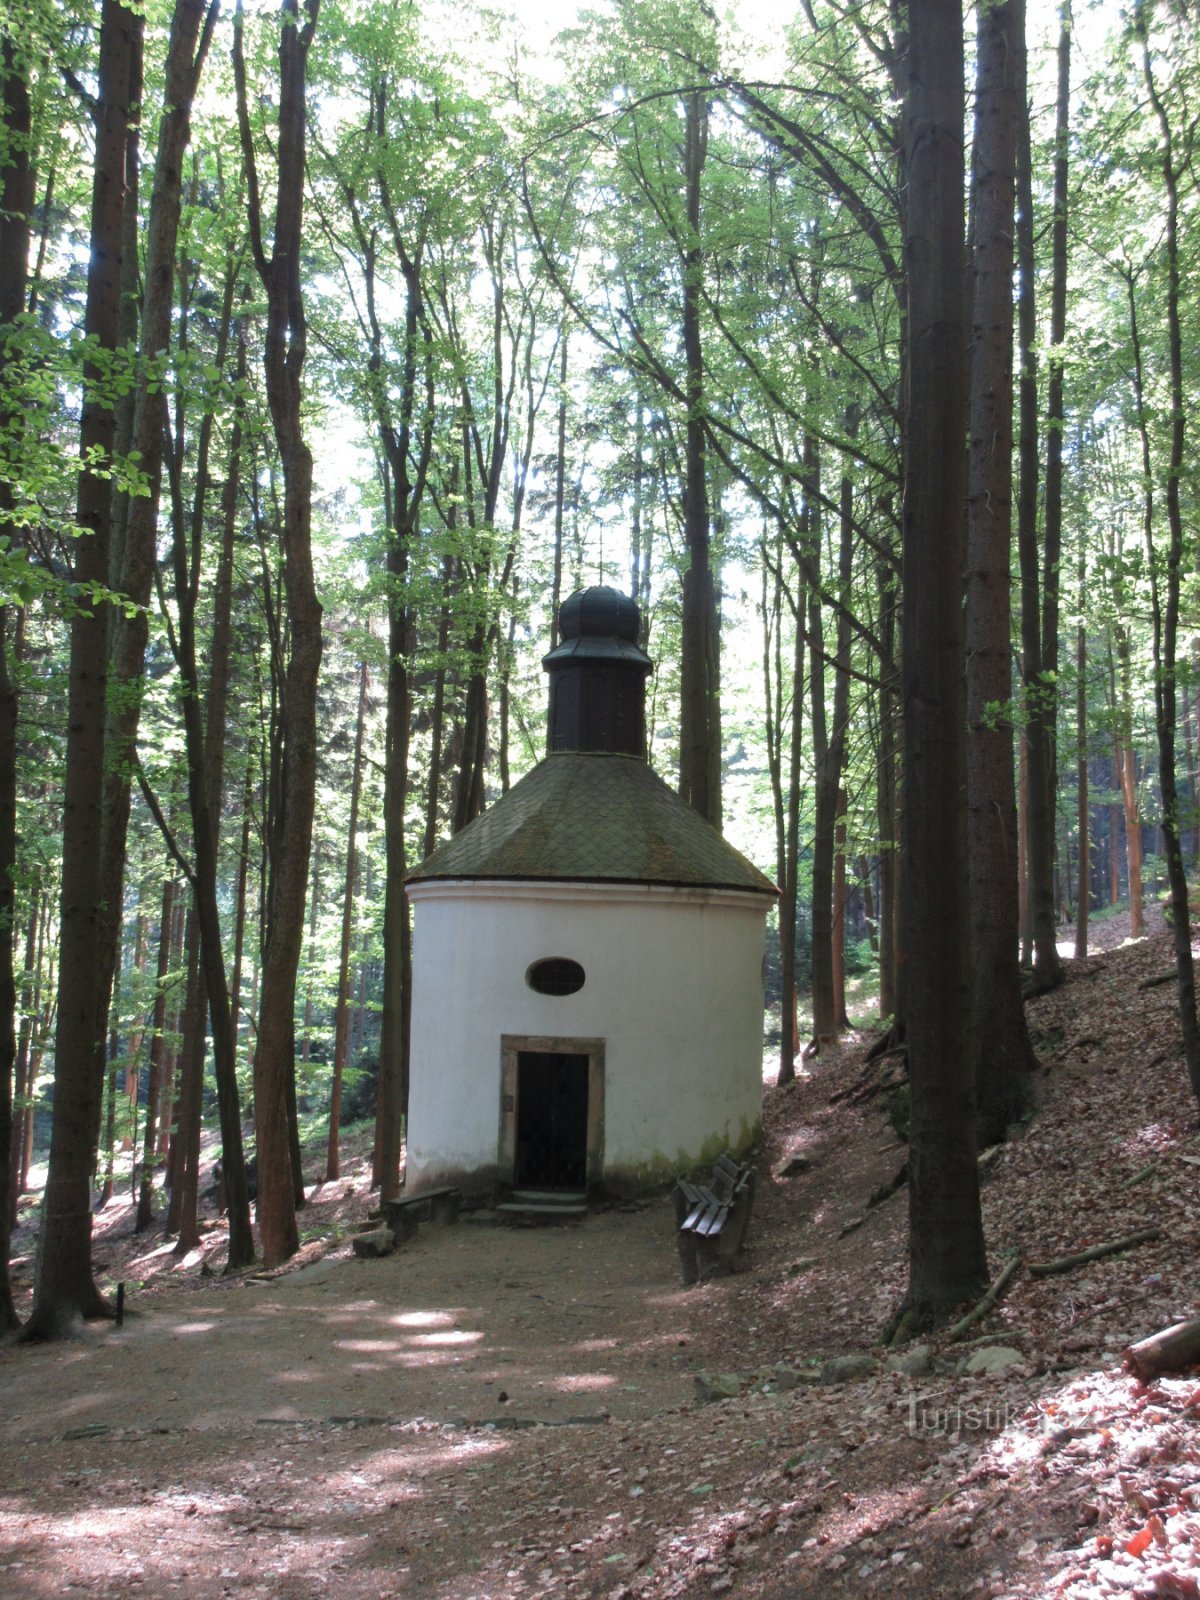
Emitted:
pixel 595 1344
pixel 193 1327
pixel 367 1347
pixel 452 1336
pixel 583 1382
pixel 1155 1137
pixel 770 1068
pixel 426 1319
pixel 154 1255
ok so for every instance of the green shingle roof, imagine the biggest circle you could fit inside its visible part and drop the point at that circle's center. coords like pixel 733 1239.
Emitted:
pixel 594 818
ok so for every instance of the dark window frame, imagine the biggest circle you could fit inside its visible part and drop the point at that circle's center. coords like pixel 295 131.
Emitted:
pixel 555 976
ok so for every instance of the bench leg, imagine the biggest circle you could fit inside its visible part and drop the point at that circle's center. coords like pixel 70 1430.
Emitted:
pixel 402 1220
pixel 687 1256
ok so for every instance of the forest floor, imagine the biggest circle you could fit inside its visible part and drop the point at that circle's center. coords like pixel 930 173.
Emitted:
pixel 506 1414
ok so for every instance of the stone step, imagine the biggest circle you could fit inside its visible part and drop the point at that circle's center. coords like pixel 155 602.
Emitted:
pixel 534 1208
pixel 548 1197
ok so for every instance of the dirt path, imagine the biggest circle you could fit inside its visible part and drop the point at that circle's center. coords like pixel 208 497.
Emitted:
pixel 512 1415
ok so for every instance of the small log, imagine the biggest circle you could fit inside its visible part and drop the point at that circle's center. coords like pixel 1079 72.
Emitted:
pixel 1161 978
pixel 1138 1177
pixel 1044 1269
pixel 1169 1350
pixel 980 1311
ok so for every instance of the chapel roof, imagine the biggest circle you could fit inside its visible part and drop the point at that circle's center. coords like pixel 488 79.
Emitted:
pixel 594 817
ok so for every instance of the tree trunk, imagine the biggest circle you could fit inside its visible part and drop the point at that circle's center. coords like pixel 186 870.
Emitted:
pixel 342 1014
pixel 1039 702
pixel 824 1022
pixel 64 1289
pixel 838 743
pixel 8 985
pixel 1082 813
pixel 292 819
pixel 787 709
pixel 134 573
pixel 1002 1056
pixel 699 723
pixel 947 1265
pixel 23 1077
pixel 1165 610
pixel 154 1086
pixel 885 801
pixel 1127 779
pixel 182 1214
pixel 16 205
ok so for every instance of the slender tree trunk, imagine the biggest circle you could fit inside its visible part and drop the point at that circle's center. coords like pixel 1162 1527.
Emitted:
pixel 437 714
pixel 16 205
pixel 560 496
pixel 699 730
pixel 8 985
pixel 824 1023
pixel 1083 812
pixel 292 821
pixel 1039 699
pixel 838 743
pixel 947 1265
pixel 789 1041
pixel 243 872
pixel 392 1105
pixel 154 1085
pixel 1002 1057
pixel 23 1077
pixel 841 897
pixel 1127 778
pixel 182 1214
pixel 1165 609
pixel 342 1014
pixel 886 806
pixel 109 1147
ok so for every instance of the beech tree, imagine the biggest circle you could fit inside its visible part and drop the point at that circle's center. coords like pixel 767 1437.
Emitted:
pixel 290 824
pixel 65 1289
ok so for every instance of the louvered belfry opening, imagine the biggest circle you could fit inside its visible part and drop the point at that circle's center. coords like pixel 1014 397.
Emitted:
pixel 598 676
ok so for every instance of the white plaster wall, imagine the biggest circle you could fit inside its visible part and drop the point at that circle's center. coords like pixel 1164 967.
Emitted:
pixel 673 986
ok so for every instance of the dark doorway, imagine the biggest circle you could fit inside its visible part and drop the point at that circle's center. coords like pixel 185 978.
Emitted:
pixel 552 1120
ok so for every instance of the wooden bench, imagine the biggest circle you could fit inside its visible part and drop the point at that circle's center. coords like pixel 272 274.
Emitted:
pixel 437 1206
pixel 712 1219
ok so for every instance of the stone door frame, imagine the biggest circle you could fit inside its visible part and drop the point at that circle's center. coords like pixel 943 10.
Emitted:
pixel 511 1047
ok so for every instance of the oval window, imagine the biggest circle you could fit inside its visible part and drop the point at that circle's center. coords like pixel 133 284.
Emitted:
pixel 555 975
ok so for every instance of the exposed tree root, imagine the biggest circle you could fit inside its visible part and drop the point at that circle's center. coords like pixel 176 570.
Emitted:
pixel 978 1312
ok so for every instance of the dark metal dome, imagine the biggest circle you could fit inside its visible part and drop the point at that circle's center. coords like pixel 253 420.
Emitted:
pixel 599 613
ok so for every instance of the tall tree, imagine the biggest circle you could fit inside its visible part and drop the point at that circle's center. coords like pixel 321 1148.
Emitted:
pixel 16 204
pixel 946 1252
pixel 1176 151
pixel 700 652
pixel 1039 566
pixel 1002 1055
pixel 292 815
pixel 64 1289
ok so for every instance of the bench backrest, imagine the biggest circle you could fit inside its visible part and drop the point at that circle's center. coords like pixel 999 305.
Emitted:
pixel 728 1177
